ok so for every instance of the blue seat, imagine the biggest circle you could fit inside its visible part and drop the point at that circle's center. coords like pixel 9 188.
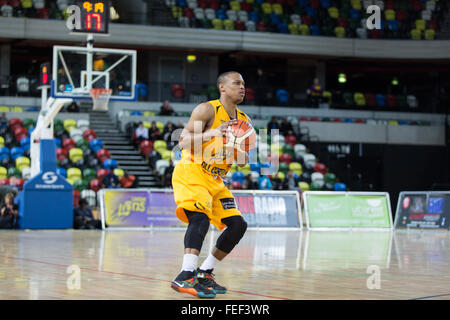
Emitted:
pixel 348 120
pixel 302 3
pixel 221 14
pixel 260 1
pixel 17 152
pixel 393 25
pixel 96 144
pixel 275 18
pixel 253 16
pixel 110 164
pixel 310 11
pixel 282 96
pixel 381 100
pixel 142 90
pixel 238 176
pixel 339 186
pixel 62 172
pixel 136 113
pixel 57 142
pixel 255 166
pixel 355 14
pixel 403 123
pixel 182 3
pixel 25 143
pixel 4 153
pixel 325 4
pixel 283 28
pixel 315 30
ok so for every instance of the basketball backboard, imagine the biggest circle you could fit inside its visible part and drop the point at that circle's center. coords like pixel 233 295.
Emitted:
pixel 77 70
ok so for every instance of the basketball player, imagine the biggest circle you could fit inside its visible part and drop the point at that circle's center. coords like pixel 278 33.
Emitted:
pixel 200 194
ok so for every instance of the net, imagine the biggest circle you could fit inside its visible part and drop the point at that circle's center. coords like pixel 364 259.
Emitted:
pixel 100 96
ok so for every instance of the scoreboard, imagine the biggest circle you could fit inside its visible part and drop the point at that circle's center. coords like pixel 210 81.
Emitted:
pixel 94 16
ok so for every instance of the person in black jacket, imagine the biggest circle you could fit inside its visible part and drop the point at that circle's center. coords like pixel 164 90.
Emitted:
pixel 9 213
pixel 83 217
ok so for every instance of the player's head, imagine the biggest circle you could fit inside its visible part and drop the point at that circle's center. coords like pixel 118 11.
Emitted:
pixel 232 85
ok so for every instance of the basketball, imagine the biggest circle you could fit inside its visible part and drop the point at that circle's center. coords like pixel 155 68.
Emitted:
pixel 242 135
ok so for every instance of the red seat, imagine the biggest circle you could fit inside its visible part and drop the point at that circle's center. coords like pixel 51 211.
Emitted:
pixel 286 158
pixel 103 154
pixel 14 3
pixel 401 15
pixel 316 119
pixel 89 132
pixel 342 22
pixel 101 173
pixel 307 20
pixel 370 100
pixel 315 4
pixel 68 144
pixel 337 120
pixel 246 6
pixel 61 154
pixel 15 122
pixel 16 182
pixel 214 4
pixel 391 100
pixel 320 167
pixel 20 132
pixel 76 198
pixel 95 185
pixel 292 140
pixel 44 13
pixel 249 94
pixel 239 25
pixel 236 185
pixel 417 6
pixel 261 26
pixel 146 147
pixel 4 182
pixel 188 12
pixel 177 91
pixel 389 5
pixel 360 121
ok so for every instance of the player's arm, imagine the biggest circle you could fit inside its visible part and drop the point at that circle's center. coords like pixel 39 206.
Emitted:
pixel 194 133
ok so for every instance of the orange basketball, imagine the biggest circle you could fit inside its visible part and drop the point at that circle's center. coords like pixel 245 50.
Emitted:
pixel 243 136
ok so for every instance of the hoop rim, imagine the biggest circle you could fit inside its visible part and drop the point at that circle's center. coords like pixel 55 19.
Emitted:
pixel 96 92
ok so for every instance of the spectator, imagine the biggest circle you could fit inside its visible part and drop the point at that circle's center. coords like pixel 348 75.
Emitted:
pixel 73 107
pixel 262 84
pixel 272 124
pixel 290 181
pixel 128 180
pixel 168 129
pixel 110 181
pixel 83 217
pixel 141 133
pixel 154 132
pixel 152 158
pixel 9 212
pixel 315 93
pixel 286 127
pixel 264 183
pixel 166 179
pixel 249 184
pixel 277 183
pixel 166 109
pixel 3 120
pixel 180 124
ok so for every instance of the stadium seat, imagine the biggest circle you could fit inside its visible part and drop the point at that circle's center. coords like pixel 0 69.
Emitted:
pixel 96 145
pixel 161 166
pixel 75 154
pixel 103 155
pixel 412 101
pixel 160 146
pixel 69 124
pixel 320 167
pixel 68 144
pixel 101 173
pixel 359 99
pixel 110 164
pixel 17 152
pixel 94 184
pixel 119 173
pixel 381 100
pixel 304 186
pixel 340 186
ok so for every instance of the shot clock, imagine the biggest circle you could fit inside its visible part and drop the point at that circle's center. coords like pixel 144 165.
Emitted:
pixel 94 16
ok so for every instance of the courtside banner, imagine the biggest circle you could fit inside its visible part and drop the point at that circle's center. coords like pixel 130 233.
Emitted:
pixel 143 208
pixel 423 210
pixel 347 210
pixel 137 208
pixel 269 208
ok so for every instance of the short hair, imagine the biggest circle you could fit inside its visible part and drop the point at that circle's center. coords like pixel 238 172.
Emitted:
pixel 222 76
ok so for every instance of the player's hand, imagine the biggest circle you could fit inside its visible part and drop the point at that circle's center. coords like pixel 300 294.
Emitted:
pixel 224 128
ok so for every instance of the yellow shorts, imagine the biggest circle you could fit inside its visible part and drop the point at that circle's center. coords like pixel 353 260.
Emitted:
pixel 196 190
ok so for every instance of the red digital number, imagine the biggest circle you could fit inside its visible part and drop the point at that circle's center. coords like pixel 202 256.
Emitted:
pixel 98 19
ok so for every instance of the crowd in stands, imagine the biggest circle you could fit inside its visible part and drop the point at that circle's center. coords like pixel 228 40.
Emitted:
pixel 401 19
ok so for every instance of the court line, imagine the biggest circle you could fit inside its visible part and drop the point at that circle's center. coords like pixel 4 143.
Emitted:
pixel 135 276
pixel 429 297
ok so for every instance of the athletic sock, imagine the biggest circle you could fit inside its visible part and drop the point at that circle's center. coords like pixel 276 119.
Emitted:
pixel 189 262
pixel 209 263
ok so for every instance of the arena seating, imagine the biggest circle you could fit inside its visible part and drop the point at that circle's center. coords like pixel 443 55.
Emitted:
pixel 401 19
pixel 80 156
pixel 293 155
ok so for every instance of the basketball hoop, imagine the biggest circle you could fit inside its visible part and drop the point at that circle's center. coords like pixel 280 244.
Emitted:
pixel 100 96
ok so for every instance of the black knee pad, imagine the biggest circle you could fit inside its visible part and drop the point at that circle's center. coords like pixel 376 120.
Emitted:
pixel 236 227
pixel 197 229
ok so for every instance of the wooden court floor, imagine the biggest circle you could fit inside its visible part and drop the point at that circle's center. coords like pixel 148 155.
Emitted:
pixel 72 264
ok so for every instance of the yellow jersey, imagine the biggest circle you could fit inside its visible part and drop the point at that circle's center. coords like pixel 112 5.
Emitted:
pixel 214 159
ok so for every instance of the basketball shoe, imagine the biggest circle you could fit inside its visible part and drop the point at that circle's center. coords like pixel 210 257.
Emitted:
pixel 206 278
pixel 187 282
